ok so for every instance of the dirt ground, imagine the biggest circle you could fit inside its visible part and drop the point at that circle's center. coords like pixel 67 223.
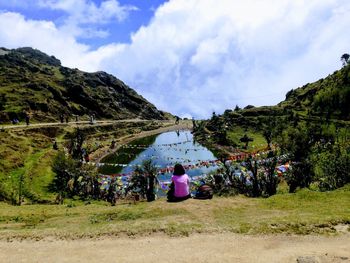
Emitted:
pixel 195 248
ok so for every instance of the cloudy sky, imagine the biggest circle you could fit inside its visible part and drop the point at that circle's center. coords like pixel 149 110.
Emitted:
pixel 189 57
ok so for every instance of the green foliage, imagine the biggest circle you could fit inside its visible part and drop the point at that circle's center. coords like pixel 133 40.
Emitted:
pixel 345 58
pixel 72 178
pixel 295 142
pixel 245 139
pixel 268 179
pixel 333 167
pixel 75 146
pixel 138 182
pixel 300 174
pixel 298 142
pixel 145 179
pixel 64 168
pixel 257 179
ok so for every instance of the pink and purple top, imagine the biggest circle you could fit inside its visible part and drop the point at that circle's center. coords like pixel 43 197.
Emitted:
pixel 182 185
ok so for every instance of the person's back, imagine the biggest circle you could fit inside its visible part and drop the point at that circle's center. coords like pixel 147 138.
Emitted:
pixel 181 183
pixel 180 186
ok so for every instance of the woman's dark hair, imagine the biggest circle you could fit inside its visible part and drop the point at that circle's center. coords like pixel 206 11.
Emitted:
pixel 179 169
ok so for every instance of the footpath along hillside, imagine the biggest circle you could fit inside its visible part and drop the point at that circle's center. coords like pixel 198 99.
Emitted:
pixel 196 248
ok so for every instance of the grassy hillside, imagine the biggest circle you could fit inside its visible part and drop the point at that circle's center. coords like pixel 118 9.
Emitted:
pixel 328 97
pixel 33 82
pixel 306 212
pixel 26 155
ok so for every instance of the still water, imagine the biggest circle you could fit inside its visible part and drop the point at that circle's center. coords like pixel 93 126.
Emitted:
pixel 165 150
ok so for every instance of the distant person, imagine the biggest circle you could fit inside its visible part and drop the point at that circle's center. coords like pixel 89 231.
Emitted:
pixel 113 144
pixel 62 118
pixel 27 118
pixel 92 119
pixel 55 146
pixel 177 120
pixel 15 121
pixel 180 185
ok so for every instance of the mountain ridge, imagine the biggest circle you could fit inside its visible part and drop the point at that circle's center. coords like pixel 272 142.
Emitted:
pixel 36 83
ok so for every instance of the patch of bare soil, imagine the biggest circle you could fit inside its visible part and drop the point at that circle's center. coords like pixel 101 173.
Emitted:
pixel 195 248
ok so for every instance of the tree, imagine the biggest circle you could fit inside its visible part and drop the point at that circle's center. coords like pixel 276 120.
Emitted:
pixel 345 58
pixel 74 178
pixel 297 142
pixel 333 167
pixel 246 140
pixel 252 166
pixel 149 172
pixel 267 133
pixel 249 107
pixel 64 168
pixel 237 108
pixel 76 142
pixel 268 179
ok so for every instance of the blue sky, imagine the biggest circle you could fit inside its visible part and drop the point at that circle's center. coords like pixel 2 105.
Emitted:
pixel 189 57
pixel 117 32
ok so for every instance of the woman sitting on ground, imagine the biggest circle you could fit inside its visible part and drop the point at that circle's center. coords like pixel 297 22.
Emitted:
pixel 180 185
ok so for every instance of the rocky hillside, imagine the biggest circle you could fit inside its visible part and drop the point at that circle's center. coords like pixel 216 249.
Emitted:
pixel 33 82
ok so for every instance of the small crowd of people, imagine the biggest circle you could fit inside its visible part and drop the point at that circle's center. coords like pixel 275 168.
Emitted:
pixel 26 118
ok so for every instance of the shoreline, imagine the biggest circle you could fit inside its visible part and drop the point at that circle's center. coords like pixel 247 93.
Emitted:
pixel 99 154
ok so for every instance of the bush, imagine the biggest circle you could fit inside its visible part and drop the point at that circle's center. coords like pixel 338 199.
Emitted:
pixel 333 168
pixel 72 178
pixel 300 174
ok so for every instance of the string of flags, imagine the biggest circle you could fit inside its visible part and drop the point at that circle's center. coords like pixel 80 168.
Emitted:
pixel 143 146
pixel 169 168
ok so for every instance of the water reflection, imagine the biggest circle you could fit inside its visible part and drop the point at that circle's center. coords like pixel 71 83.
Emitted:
pixel 165 150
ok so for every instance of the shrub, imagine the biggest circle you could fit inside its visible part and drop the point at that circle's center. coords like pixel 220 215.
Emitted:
pixel 333 168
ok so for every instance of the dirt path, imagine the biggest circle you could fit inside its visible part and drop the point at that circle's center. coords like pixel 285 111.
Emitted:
pixel 196 248
pixel 73 123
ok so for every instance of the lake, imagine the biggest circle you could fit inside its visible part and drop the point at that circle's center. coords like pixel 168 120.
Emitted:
pixel 165 150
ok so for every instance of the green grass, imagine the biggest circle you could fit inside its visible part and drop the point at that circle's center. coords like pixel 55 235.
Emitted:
pixel 258 142
pixel 39 175
pixel 305 212
pixel 27 156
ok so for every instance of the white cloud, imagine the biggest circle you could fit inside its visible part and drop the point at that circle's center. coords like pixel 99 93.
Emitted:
pixel 16 31
pixel 207 55
pixel 84 13
pixel 197 56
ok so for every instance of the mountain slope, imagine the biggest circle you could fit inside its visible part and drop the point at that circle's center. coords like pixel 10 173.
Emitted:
pixel 323 102
pixel 329 96
pixel 31 81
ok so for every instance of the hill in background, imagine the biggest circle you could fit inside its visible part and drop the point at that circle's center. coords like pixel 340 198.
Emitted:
pixel 324 101
pixel 327 98
pixel 34 82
